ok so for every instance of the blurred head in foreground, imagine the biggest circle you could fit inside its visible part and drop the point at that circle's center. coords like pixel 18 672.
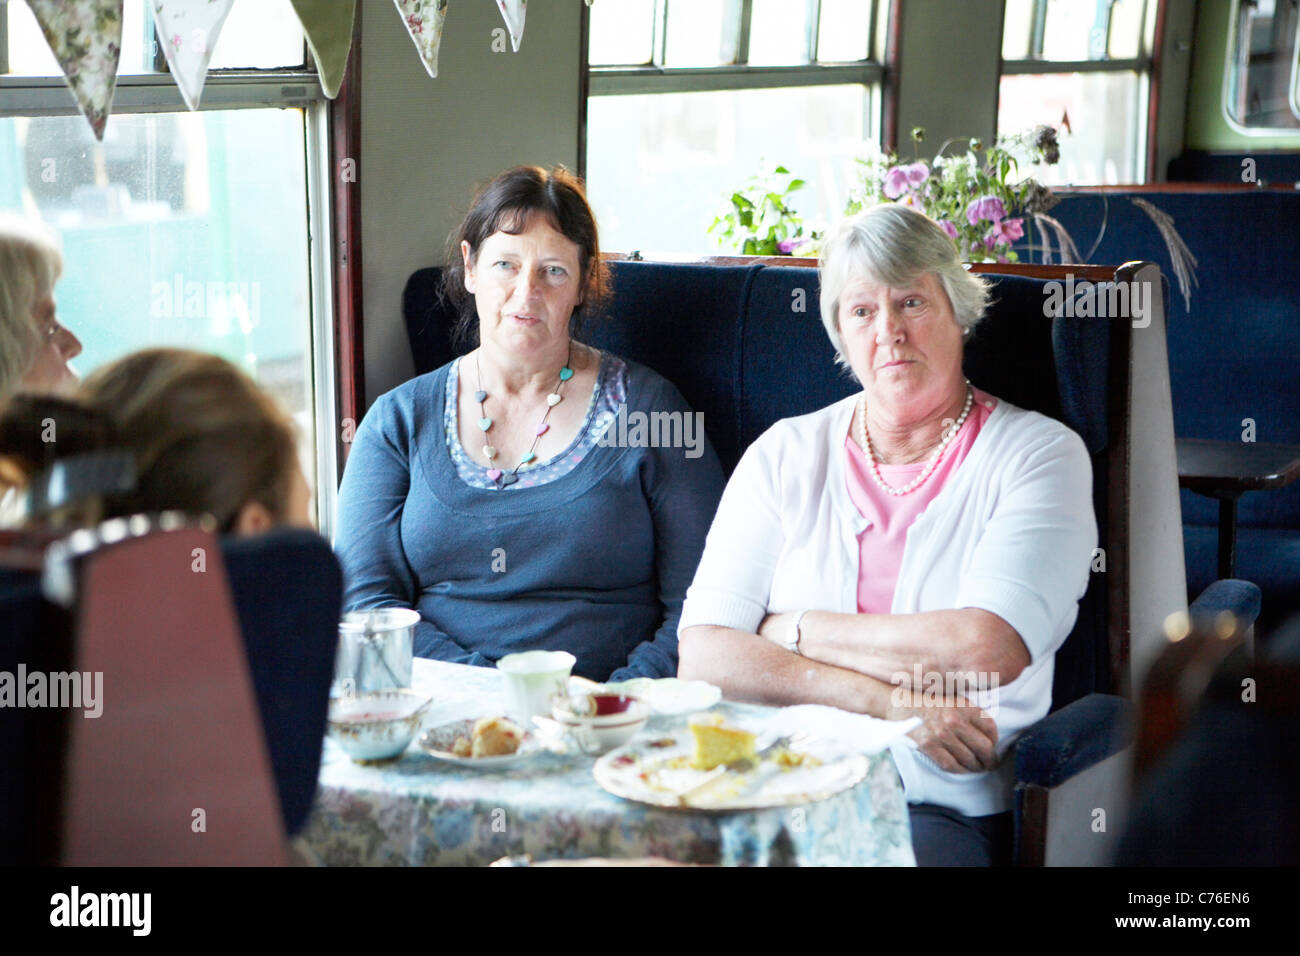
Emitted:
pixel 198 434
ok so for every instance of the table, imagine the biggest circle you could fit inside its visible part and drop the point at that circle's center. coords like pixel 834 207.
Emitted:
pixel 1228 469
pixel 421 811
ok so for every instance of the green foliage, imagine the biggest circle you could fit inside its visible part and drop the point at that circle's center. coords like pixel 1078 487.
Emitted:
pixel 760 221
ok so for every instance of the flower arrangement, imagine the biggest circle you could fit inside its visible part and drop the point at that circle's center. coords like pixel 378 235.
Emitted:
pixel 976 197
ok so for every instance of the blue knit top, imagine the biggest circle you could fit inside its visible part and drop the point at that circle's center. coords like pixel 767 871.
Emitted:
pixel 593 558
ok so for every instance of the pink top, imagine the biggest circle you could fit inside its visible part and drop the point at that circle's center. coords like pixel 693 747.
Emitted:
pixel 881 544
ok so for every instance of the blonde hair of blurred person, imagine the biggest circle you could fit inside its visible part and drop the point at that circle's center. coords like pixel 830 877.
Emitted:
pixel 204 437
pixel 35 347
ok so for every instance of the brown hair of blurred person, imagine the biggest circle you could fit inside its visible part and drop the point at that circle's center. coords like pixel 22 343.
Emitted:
pixel 205 438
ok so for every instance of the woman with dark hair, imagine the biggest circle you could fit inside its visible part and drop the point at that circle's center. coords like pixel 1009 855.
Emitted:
pixel 491 494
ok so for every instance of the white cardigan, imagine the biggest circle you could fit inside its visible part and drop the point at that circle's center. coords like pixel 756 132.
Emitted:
pixel 1012 532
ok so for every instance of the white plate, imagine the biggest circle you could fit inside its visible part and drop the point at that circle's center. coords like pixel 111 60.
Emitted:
pixel 437 743
pixel 645 770
pixel 669 695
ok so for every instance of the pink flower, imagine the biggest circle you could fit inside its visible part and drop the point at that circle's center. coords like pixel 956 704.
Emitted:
pixel 986 207
pixel 949 228
pixel 416 23
pixel 787 246
pixel 1008 230
pixel 903 179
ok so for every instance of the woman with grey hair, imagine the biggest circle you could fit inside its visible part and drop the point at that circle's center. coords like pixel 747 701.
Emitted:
pixel 916 550
pixel 35 347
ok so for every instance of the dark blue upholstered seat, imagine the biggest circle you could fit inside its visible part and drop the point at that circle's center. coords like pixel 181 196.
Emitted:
pixel 288 592
pixel 1232 357
pixel 36 635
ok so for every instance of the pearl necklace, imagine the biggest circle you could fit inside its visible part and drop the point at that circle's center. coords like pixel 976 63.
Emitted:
pixel 931 463
pixel 504 479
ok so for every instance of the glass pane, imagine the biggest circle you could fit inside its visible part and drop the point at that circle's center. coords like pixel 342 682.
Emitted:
pixel 778 32
pixel 700 147
pixel 1106 113
pixel 1068 30
pixel 263 36
pixel 184 229
pixel 699 33
pixel 621 32
pixel 1127 24
pixel 29 54
pixel 1261 51
pixel 1017 29
pixel 844 31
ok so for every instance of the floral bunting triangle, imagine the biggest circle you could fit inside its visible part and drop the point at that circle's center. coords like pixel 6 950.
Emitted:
pixel 86 38
pixel 328 27
pixel 188 31
pixel 513 12
pixel 423 19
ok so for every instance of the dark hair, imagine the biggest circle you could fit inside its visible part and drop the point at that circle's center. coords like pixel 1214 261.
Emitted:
pixel 505 205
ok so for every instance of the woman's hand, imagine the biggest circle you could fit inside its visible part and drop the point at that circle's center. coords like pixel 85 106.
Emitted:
pixel 954 733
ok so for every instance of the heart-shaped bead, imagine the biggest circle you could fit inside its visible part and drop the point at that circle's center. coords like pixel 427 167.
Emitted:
pixel 489 452
pixel 543 428
pixel 527 458
pixel 552 399
pixel 566 373
pixel 485 423
pixel 494 473
pixel 509 479
pixel 480 396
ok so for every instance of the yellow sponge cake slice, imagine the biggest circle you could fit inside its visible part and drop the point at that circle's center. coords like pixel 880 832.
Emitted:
pixel 716 743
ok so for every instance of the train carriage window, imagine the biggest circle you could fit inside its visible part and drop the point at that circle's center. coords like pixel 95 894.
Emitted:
pixel 689 98
pixel 1083 66
pixel 1262 81
pixel 186 228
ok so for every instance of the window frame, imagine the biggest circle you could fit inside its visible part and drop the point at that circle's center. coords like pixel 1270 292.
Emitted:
pixel 330 133
pixel 1146 64
pixel 1231 64
pixel 655 77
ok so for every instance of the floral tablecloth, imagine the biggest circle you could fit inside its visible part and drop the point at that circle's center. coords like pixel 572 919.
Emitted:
pixel 421 811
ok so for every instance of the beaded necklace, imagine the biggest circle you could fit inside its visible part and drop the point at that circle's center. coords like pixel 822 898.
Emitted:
pixel 504 479
pixel 932 462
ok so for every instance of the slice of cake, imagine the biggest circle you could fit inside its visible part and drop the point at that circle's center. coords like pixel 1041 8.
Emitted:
pixel 716 743
pixel 496 737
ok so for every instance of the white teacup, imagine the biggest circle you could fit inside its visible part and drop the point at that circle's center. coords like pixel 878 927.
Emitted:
pixel 533 679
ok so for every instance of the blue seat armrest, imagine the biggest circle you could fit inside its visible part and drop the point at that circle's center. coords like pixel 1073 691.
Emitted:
pixel 1242 598
pixel 1073 739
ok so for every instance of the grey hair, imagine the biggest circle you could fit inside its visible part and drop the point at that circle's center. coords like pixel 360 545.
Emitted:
pixel 893 245
pixel 30 264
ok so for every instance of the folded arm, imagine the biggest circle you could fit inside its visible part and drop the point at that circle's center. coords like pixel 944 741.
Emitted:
pixel 957 735
pixel 891 647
